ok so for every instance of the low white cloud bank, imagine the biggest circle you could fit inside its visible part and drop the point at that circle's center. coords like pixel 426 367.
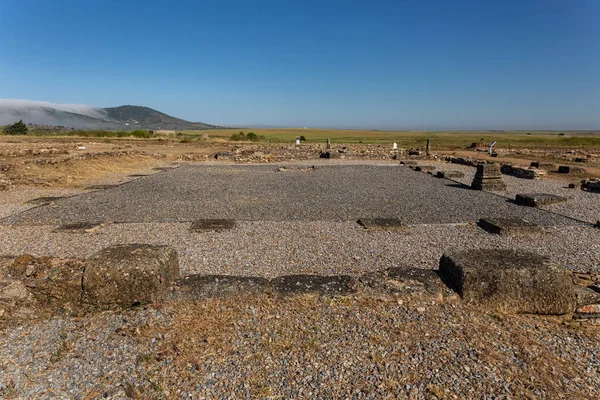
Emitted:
pixel 46 113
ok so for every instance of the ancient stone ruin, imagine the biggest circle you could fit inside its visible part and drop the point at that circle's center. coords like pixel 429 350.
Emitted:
pixel 488 177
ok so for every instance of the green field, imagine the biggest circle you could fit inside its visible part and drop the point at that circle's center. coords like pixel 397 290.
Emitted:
pixel 408 139
pixel 441 140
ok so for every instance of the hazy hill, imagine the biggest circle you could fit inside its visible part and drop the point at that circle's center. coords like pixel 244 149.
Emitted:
pixel 86 117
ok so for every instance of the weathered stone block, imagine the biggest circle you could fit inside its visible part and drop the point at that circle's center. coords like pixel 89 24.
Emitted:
pixel 329 285
pixel 538 199
pixel 591 186
pixel 544 165
pixel 450 174
pixel 569 169
pixel 495 185
pixel 330 154
pixel 508 226
pixel 127 275
pixel 586 296
pixel 509 281
pixel 201 225
pixel 488 177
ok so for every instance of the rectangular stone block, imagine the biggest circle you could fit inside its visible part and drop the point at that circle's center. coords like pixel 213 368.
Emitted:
pixel 126 275
pixel 538 199
pixel 488 170
pixel 569 169
pixel 508 226
pixel 450 174
pixel 509 281
pixel 201 225
pixel 551 167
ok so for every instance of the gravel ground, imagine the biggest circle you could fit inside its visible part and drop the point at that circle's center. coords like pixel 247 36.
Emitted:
pixel 15 201
pixel 409 346
pixel 301 347
pixel 581 205
pixel 272 248
pixel 260 193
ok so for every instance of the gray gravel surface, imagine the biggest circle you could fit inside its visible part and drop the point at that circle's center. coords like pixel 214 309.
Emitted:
pixel 301 347
pixel 273 248
pixel 343 193
pixel 581 205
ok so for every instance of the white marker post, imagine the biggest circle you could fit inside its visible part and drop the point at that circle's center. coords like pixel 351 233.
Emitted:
pixel 297 141
pixel 492 147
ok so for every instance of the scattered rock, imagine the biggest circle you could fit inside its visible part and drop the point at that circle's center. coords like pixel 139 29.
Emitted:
pixel 509 281
pixel 508 226
pixel 127 275
pixel 425 168
pixel 538 199
pixel 201 225
pixel 586 296
pixel 12 291
pixel 589 309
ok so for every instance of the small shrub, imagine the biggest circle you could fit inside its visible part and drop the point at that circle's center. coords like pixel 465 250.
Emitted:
pixel 302 138
pixel 561 134
pixel 238 136
pixel 252 136
pixel 18 128
pixel 141 134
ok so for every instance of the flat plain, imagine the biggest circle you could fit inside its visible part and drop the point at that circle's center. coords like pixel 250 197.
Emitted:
pixel 408 343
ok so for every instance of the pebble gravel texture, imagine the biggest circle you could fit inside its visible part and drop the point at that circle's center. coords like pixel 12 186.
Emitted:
pixel 261 193
pixel 403 346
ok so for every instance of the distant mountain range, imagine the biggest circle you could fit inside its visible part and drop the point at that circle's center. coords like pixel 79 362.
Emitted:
pixel 87 117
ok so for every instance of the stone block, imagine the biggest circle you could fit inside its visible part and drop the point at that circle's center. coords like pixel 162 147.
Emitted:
pixel 450 174
pixel 201 225
pixel 127 275
pixel 494 185
pixel 591 186
pixel 538 199
pixel 509 226
pixel 570 169
pixel 328 285
pixel 488 177
pixel 586 296
pixel 509 281
pixel 551 167
pixel 201 286
pixel 330 154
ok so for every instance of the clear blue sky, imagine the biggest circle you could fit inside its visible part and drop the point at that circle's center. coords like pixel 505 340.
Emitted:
pixel 363 64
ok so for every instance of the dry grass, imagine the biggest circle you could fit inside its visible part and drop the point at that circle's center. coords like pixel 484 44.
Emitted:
pixel 261 331
pixel 78 173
